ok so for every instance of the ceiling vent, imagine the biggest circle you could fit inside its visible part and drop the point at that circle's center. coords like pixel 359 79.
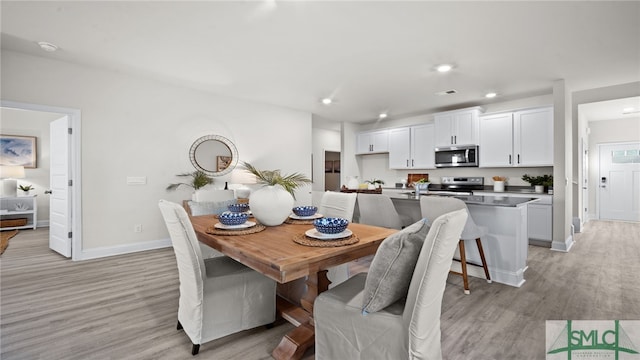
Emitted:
pixel 447 92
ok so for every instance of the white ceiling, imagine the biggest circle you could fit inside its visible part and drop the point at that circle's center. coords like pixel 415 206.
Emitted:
pixel 369 56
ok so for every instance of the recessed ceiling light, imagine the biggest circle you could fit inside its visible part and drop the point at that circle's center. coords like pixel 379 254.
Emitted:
pixel 444 68
pixel 629 110
pixel 327 101
pixel 490 95
pixel 383 115
pixel 49 47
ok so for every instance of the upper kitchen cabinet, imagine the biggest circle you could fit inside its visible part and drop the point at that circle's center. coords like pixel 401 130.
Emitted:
pixel 412 147
pixel 457 127
pixel 520 138
pixel 372 142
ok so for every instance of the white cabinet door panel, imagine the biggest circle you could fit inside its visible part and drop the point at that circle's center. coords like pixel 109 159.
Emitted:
pixel 533 137
pixel 496 140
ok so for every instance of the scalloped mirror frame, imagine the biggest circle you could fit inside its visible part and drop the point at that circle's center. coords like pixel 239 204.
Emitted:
pixel 213 172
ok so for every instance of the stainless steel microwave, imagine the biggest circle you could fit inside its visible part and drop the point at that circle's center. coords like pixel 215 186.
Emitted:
pixel 454 156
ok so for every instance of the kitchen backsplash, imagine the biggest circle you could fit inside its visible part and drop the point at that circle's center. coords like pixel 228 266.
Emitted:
pixel 377 166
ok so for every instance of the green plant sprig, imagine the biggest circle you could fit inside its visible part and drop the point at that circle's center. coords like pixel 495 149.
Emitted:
pixel 545 180
pixel 274 177
pixel 199 180
pixel 26 187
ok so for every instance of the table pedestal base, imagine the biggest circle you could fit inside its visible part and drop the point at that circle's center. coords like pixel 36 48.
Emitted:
pixel 297 341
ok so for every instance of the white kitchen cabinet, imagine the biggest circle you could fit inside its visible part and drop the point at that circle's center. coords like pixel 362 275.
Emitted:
pixel 458 127
pixel 540 219
pixel 533 137
pixel 520 138
pixel 539 214
pixel 412 147
pixel 372 142
pixel 18 208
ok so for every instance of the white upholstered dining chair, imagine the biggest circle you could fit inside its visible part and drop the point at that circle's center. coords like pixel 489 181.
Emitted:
pixel 218 296
pixel 338 204
pixel 408 328
pixel 210 202
pixel 432 207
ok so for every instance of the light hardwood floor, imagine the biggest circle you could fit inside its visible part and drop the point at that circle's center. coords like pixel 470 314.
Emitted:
pixel 124 307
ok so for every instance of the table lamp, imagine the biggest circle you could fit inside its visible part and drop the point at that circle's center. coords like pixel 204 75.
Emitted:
pixel 9 174
pixel 242 177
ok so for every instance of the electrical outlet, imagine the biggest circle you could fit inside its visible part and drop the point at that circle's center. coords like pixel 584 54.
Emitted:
pixel 137 228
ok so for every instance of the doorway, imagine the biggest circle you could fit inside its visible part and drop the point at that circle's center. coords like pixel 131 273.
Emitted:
pixel 331 171
pixel 74 233
pixel 619 182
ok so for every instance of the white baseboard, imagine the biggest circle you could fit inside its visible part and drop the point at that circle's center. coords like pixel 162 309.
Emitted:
pixel 563 246
pixel 124 249
pixel 42 223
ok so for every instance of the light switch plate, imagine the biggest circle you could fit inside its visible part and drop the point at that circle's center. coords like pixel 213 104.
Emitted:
pixel 136 180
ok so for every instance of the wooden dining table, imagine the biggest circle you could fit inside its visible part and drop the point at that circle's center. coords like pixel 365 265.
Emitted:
pixel 273 253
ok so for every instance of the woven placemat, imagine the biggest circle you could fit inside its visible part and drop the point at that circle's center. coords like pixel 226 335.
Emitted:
pixel 252 230
pixel 303 239
pixel 299 222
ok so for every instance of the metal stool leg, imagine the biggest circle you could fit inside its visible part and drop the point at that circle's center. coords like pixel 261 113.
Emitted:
pixel 484 262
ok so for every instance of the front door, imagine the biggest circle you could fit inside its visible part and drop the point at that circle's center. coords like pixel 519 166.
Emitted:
pixel 619 182
pixel 60 200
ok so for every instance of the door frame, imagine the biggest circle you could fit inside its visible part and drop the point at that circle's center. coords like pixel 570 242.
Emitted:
pixel 599 146
pixel 75 165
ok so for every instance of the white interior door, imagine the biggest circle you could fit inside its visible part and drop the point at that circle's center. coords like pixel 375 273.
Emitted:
pixel 60 198
pixel 620 182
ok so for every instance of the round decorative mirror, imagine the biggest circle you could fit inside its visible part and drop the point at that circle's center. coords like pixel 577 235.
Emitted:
pixel 215 155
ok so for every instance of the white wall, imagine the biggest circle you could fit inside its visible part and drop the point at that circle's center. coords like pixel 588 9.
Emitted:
pixel 608 131
pixel 33 123
pixel 133 126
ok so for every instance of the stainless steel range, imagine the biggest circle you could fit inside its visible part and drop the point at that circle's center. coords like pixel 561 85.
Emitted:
pixel 451 185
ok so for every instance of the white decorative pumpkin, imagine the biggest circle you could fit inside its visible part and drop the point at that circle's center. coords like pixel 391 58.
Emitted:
pixel 271 205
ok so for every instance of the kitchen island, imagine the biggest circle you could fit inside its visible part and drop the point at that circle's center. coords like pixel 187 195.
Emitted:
pixel 506 242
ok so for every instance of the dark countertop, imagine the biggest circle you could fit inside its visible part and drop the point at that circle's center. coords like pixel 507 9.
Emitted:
pixel 487 188
pixel 487 200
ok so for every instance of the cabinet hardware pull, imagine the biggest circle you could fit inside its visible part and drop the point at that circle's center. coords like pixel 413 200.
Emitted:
pixel 509 159
pixel 407 162
pixel 412 164
pixel 518 158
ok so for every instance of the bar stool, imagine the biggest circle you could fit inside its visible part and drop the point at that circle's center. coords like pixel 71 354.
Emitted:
pixel 475 233
pixel 433 206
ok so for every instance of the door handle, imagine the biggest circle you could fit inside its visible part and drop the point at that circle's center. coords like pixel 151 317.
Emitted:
pixel 48 192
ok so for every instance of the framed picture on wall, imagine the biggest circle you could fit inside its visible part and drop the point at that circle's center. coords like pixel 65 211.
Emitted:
pixel 336 166
pixel 222 162
pixel 328 166
pixel 18 150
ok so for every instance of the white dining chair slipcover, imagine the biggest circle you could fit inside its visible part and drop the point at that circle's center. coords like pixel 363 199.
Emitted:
pixel 403 330
pixel 218 296
pixel 338 204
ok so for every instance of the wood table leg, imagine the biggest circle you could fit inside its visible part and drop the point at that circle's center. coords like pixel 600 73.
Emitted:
pixel 297 341
pixel 316 284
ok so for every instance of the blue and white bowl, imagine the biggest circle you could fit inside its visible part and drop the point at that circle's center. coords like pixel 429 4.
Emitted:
pixel 305 210
pixel 233 218
pixel 331 225
pixel 238 208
